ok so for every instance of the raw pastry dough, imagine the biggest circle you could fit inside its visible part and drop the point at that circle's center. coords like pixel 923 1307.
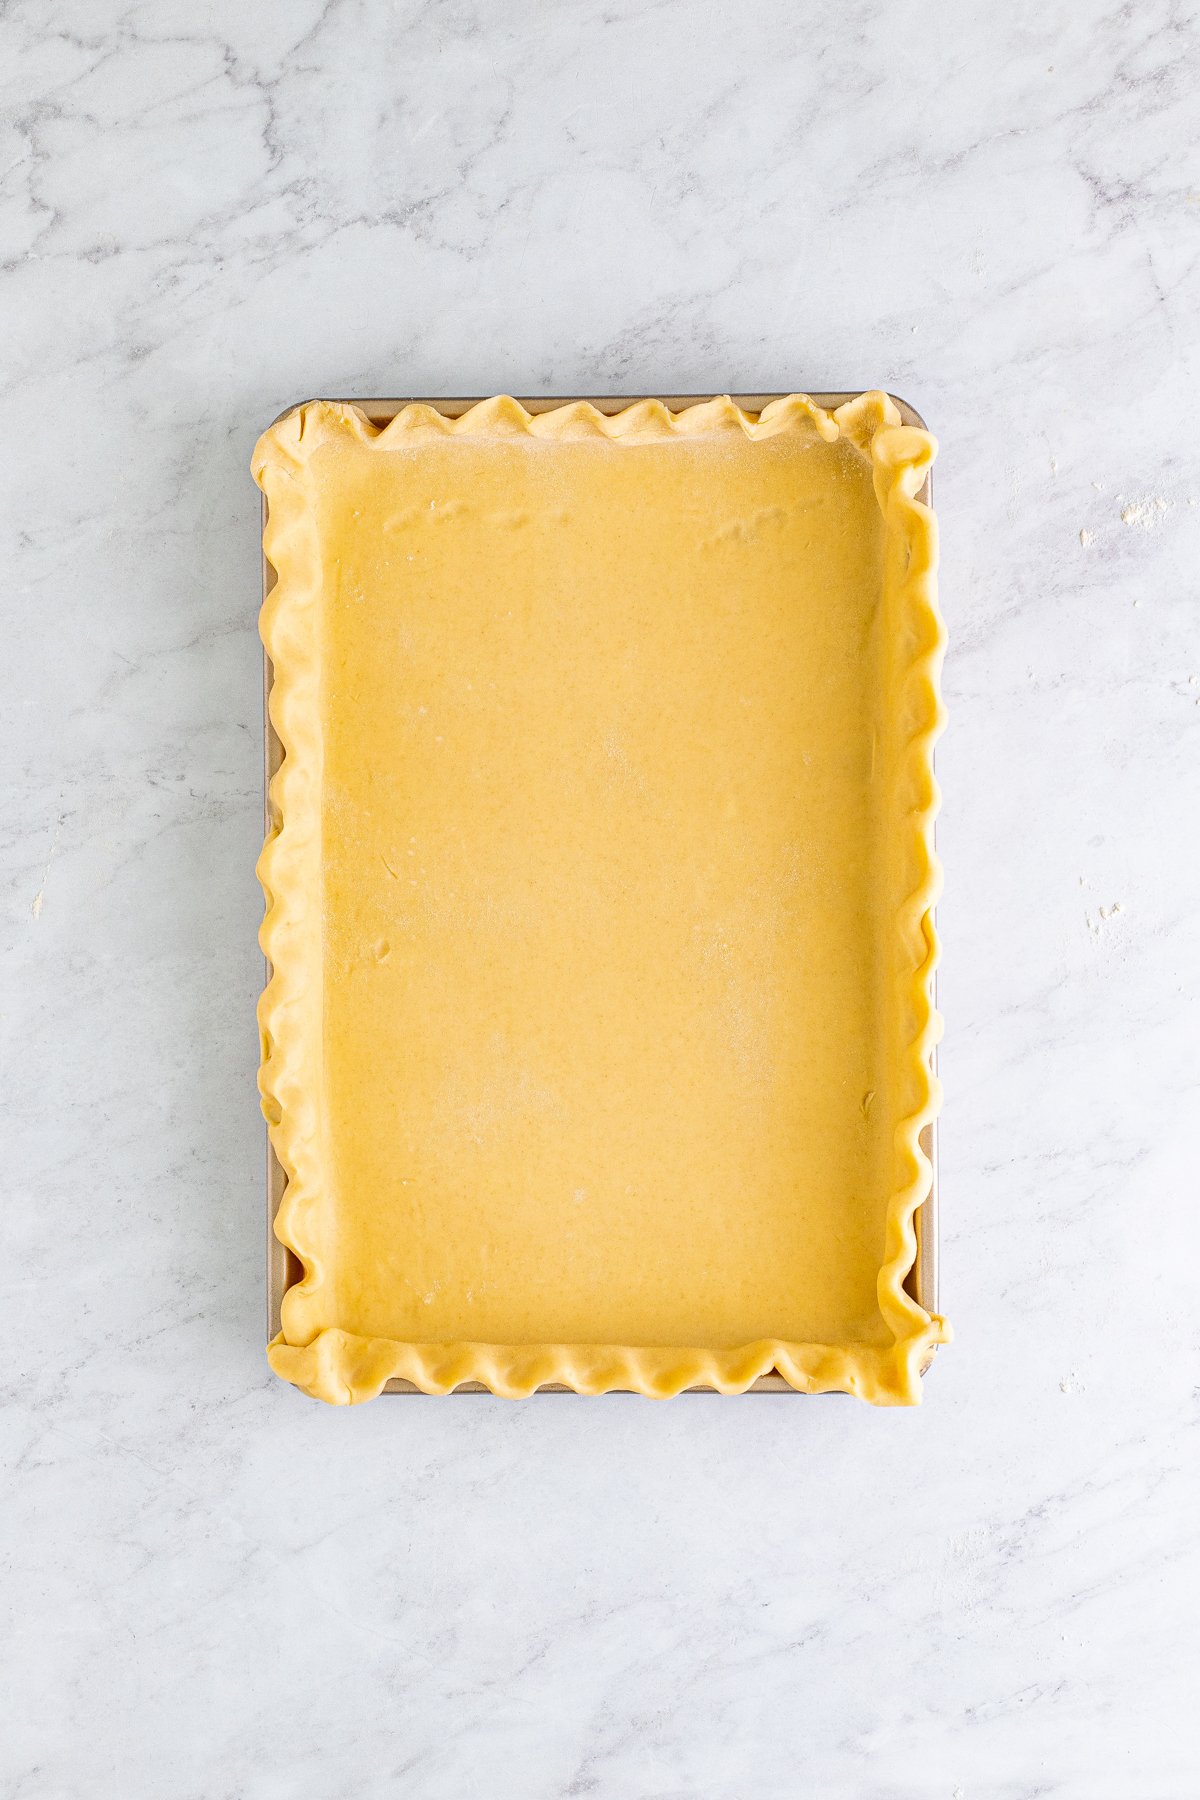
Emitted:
pixel 597 1043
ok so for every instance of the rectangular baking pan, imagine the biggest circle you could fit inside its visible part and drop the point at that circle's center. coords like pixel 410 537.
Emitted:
pixel 283 1268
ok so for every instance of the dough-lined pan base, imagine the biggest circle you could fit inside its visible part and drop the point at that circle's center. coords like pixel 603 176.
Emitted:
pixel 597 1044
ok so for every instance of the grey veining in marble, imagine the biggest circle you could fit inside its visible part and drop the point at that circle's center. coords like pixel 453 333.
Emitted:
pixel 218 1590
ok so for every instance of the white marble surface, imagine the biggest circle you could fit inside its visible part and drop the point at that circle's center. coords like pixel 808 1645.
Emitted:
pixel 218 1589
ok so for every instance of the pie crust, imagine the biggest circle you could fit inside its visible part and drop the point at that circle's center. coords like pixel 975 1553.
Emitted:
pixel 599 895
